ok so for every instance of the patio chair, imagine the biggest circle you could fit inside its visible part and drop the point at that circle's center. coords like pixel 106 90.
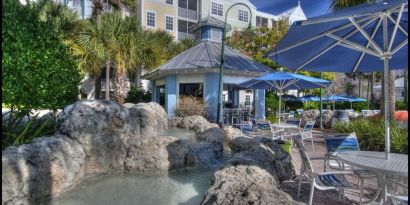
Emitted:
pixel 306 133
pixel 246 127
pixel 394 193
pixel 334 180
pixel 335 142
pixel 291 114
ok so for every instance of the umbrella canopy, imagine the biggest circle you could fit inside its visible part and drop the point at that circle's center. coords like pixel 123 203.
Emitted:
pixel 281 81
pixel 335 98
pixel 354 99
pixel 308 98
pixel 286 97
pixel 366 38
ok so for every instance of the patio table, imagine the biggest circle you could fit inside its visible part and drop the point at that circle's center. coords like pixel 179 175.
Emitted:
pixel 283 126
pixel 396 165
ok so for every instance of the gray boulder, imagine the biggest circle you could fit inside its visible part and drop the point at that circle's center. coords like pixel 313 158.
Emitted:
pixel 47 167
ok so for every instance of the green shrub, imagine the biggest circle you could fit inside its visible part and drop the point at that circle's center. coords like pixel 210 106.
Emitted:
pixel 272 118
pixel 137 95
pixel 311 105
pixel 370 133
pixel 38 70
pixel 400 105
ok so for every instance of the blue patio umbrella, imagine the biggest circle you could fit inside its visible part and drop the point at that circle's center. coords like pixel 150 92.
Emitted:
pixel 353 99
pixel 335 98
pixel 282 81
pixel 308 98
pixel 366 38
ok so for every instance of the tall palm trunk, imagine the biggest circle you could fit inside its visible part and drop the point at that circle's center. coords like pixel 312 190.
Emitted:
pixel 138 75
pixel 371 91
pixel 97 84
pixel 405 84
pixel 120 87
pixel 107 81
pixel 392 92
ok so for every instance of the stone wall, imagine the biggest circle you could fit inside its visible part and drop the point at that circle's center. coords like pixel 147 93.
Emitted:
pixel 92 138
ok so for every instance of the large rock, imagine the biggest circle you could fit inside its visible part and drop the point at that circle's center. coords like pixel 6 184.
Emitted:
pixel 158 155
pixel 36 171
pixel 252 174
pixel 245 184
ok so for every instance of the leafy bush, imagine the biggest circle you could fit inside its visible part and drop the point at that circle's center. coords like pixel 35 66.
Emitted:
pixel 358 106
pixel 137 95
pixel 311 105
pixel 190 105
pixel 272 118
pixel 38 70
pixel 400 105
pixel 370 133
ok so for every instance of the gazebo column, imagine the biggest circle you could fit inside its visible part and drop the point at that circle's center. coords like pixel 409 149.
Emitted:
pixel 153 91
pixel 211 95
pixel 235 98
pixel 259 96
pixel 170 95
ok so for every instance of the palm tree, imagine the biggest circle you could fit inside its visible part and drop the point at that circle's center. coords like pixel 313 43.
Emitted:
pixel 341 4
pixel 96 43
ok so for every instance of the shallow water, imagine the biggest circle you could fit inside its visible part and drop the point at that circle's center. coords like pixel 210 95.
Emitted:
pixel 180 133
pixel 179 187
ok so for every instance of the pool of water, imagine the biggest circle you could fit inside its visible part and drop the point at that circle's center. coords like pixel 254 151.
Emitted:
pixel 178 187
pixel 180 133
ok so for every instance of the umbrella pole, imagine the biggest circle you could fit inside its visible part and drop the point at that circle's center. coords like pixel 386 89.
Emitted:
pixel 351 105
pixel 321 106
pixel 386 56
pixel 280 102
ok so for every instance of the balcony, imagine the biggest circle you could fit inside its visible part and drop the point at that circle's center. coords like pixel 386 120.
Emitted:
pixel 182 35
pixel 186 13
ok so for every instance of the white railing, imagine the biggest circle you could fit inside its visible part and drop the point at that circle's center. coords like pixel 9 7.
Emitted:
pixel 182 35
pixel 186 13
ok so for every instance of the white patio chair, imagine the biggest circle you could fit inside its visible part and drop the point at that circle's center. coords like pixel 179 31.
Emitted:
pixel 246 127
pixel 397 188
pixel 333 180
pixel 306 133
pixel 291 115
pixel 278 133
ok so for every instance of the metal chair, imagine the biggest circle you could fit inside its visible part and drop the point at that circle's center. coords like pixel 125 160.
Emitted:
pixel 334 180
pixel 306 133
pixel 395 195
pixel 246 127
pixel 335 142
pixel 291 114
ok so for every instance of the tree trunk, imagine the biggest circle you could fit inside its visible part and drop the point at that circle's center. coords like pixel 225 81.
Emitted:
pixel 371 91
pixel 360 86
pixel 405 84
pixel 97 85
pixel 120 87
pixel 138 77
pixel 392 92
pixel 107 81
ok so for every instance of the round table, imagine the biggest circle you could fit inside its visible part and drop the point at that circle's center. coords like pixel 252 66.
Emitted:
pixel 282 126
pixel 376 162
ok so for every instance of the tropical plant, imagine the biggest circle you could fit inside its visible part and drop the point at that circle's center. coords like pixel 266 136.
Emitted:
pixel 38 70
pixel 370 133
pixel 137 95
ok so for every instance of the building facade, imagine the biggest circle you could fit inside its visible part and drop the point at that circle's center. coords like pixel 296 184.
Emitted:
pixel 178 16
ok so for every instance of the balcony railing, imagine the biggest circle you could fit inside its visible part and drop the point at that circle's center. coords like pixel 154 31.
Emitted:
pixel 186 13
pixel 182 35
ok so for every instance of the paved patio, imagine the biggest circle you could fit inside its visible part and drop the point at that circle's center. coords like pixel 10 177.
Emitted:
pixel 324 197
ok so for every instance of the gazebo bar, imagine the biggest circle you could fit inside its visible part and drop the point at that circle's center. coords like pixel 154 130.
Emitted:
pixel 197 69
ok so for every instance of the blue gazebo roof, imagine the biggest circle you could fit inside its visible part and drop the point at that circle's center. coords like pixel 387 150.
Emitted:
pixel 205 57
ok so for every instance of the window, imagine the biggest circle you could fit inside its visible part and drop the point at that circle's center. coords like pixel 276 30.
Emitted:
pixel 216 34
pixel 169 23
pixel 191 89
pixel 261 22
pixel 150 19
pixel 243 16
pixel 169 2
pixel 217 9
pixel 247 100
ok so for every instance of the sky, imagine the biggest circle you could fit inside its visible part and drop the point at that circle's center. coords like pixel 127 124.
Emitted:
pixel 311 8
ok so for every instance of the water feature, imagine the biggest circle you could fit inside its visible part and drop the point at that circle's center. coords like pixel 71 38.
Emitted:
pixel 177 187
pixel 180 133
